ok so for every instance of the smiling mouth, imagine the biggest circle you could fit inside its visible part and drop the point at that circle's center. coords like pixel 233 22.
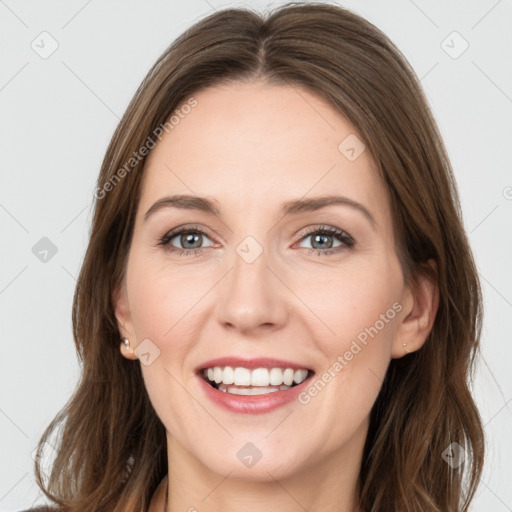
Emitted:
pixel 262 381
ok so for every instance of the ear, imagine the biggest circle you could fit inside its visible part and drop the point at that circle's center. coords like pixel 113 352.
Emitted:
pixel 124 319
pixel 420 309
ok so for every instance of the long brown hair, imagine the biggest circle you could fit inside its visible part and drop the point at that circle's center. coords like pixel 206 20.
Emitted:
pixel 111 450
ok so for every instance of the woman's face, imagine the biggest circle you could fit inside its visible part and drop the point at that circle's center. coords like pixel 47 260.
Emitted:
pixel 250 281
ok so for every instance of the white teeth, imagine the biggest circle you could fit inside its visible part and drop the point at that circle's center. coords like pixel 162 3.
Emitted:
pixel 228 375
pixel 250 391
pixel 276 376
pixel 300 376
pixel 260 377
pixel 288 376
pixel 242 377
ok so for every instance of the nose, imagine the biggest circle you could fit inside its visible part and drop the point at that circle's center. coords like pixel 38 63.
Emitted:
pixel 253 296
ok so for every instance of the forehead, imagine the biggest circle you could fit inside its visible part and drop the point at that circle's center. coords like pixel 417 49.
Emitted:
pixel 253 144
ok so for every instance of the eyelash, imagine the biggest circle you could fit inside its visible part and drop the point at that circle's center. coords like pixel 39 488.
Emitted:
pixel 342 236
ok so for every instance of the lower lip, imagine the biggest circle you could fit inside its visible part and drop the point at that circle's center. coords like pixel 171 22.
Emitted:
pixel 255 404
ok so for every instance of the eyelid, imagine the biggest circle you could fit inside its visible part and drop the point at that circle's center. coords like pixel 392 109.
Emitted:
pixel 346 240
pixel 169 235
pixel 324 227
pixel 303 233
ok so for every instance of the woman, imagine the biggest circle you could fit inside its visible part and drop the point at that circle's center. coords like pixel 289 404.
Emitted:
pixel 312 348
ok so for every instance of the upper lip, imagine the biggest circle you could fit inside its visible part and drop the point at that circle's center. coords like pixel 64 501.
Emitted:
pixel 258 362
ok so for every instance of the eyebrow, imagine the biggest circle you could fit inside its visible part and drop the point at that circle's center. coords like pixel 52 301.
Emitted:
pixel 292 207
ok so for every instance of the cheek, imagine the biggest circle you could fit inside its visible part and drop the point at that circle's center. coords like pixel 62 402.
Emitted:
pixel 351 300
pixel 162 311
pixel 163 301
pixel 362 311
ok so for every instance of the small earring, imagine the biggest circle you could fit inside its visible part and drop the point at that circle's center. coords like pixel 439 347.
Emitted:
pixel 126 343
pixel 405 344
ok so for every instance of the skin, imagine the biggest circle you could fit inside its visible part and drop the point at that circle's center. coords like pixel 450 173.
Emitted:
pixel 253 146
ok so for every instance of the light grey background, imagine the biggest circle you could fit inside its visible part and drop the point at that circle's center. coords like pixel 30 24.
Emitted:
pixel 57 117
